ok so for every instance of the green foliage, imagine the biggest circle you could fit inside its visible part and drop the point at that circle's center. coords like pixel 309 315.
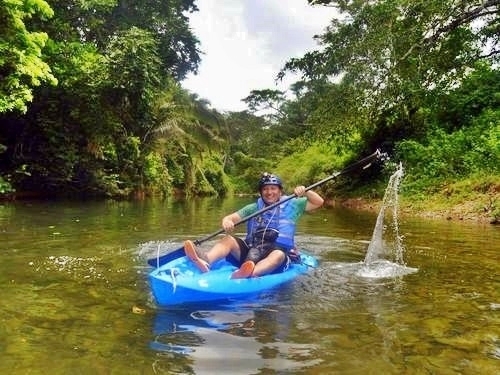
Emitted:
pixel 479 90
pixel 22 66
pixel 166 20
pixel 254 136
pixel 463 138
pixel 410 77
pixel 335 113
pixel 265 101
pixel 450 157
pixel 175 171
pixel 98 21
pixel 185 130
pixel 310 165
pixel 133 80
pixel 387 57
pixel 246 171
pixel 95 133
pixel 5 186
pixel 210 178
pixel 201 175
pixel 156 174
pixel 128 151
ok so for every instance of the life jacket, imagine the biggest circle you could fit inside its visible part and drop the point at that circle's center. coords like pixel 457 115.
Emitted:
pixel 273 225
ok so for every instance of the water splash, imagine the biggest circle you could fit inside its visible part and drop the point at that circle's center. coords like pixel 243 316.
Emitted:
pixel 376 249
pixel 383 259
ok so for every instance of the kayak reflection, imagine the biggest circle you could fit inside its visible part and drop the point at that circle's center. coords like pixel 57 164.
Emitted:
pixel 232 339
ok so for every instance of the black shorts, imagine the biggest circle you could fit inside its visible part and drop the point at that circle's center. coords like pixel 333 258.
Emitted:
pixel 244 249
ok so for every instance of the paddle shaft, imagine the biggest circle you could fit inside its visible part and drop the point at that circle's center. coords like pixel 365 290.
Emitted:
pixel 363 163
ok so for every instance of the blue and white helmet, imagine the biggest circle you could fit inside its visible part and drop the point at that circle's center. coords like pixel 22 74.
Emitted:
pixel 269 179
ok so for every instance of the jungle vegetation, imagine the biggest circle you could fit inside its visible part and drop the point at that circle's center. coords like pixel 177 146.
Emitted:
pixel 92 103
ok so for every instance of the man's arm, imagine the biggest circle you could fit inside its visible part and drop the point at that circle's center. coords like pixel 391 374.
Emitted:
pixel 314 200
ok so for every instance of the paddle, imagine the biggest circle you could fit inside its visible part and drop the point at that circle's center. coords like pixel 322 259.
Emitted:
pixel 363 163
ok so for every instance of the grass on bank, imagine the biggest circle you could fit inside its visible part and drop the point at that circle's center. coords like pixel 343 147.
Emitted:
pixel 476 197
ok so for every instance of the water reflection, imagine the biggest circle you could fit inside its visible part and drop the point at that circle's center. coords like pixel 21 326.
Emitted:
pixel 71 273
pixel 229 339
pixel 241 338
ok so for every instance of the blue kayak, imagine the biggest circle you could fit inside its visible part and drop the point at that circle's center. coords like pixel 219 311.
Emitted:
pixel 179 281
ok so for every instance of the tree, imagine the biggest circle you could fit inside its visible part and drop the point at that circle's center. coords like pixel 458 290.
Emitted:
pixel 94 132
pixel 98 21
pixel 22 66
pixel 189 134
pixel 389 56
pixel 267 101
pixel 286 118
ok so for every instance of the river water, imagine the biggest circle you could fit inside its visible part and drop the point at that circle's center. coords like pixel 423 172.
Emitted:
pixel 75 297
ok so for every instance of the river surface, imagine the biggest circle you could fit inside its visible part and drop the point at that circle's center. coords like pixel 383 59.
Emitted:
pixel 75 297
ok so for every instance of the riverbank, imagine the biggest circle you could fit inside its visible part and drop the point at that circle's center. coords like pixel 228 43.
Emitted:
pixel 481 208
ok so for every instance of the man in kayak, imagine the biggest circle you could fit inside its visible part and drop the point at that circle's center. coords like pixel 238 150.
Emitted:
pixel 269 243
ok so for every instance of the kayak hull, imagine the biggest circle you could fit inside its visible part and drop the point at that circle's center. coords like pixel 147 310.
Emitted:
pixel 179 281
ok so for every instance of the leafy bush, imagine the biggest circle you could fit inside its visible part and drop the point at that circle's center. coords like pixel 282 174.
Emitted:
pixel 308 166
pixel 156 174
pixel 214 175
pixel 468 151
pixel 249 170
pixel 5 186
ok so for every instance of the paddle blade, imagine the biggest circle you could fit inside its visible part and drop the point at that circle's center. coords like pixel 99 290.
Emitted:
pixel 161 260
